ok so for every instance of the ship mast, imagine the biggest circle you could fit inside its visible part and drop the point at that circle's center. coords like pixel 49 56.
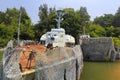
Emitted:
pixel 59 17
pixel 19 25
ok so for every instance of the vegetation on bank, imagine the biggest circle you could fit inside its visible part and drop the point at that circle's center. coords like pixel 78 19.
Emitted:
pixel 1 54
pixel 73 22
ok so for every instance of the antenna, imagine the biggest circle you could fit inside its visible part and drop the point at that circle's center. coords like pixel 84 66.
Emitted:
pixel 19 25
pixel 59 17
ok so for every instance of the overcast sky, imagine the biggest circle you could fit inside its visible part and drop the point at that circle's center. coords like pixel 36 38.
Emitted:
pixel 94 7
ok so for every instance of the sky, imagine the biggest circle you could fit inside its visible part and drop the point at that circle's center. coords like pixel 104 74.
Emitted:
pixel 94 7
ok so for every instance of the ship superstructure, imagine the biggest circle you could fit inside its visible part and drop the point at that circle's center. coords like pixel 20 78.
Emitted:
pixel 57 36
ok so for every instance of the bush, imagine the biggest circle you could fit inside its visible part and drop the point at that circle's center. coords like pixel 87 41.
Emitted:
pixel 3 42
pixel 107 58
pixel 116 41
pixel 1 54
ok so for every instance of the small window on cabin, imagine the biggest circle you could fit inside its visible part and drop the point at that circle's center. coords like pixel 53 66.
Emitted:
pixel 55 35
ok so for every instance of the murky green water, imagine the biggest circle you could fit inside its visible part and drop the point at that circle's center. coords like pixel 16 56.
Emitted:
pixel 101 71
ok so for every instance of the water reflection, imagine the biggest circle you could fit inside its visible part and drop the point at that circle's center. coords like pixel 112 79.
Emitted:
pixel 101 71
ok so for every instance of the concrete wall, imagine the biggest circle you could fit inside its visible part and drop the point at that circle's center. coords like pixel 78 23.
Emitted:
pixel 98 49
pixel 67 65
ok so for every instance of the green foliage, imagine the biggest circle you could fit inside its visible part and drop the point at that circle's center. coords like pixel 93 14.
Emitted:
pixel 1 54
pixel 6 34
pixel 9 26
pixel 107 58
pixel 105 20
pixel 96 30
pixel 27 32
pixel 116 41
pixel 110 31
pixel 84 18
pixel 71 23
pixel 117 32
pixel 116 21
pixel 43 11
pixel 108 20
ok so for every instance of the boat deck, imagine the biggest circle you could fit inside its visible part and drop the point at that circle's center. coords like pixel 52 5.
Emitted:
pixel 24 58
pixel 46 58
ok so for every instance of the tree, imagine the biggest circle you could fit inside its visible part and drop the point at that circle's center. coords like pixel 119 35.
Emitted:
pixel 84 17
pixel 117 32
pixel 6 34
pixel 110 31
pixel 27 33
pixel 25 19
pixel 116 20
pixel 118 11
pixel 105 20
pixel 2 17
pixel 116 41
pixel 11 16
pixel 96 30
pixel 43 12
pixel 47 20
pixel 9 25
pixel 71 23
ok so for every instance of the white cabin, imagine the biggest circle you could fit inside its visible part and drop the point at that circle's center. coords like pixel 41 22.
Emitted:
pixel 58 38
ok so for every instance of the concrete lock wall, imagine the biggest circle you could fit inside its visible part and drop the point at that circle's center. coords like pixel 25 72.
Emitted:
pixel 67 66
pixel 98 49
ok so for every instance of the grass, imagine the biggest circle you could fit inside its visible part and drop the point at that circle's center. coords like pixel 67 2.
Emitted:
pixel 101 71
pixel 1 54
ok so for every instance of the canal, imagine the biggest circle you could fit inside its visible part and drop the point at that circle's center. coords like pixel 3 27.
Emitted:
pixel 101 71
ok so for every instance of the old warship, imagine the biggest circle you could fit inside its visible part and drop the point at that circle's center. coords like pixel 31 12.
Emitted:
pixel 58 59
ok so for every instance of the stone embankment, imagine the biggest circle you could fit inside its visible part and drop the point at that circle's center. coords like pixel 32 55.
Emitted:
pixel 60 64
pixel 98 49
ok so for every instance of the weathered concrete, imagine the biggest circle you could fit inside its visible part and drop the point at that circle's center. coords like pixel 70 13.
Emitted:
pixel 117 52
pixel 66 65
pixel 98 49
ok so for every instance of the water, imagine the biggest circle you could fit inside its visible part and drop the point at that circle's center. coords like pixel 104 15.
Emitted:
pixel 101 71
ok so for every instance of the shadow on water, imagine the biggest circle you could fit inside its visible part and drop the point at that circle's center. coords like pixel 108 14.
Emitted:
pixel 101 71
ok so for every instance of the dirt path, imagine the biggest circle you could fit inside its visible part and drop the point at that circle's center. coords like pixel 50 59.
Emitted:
pixel 2 49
